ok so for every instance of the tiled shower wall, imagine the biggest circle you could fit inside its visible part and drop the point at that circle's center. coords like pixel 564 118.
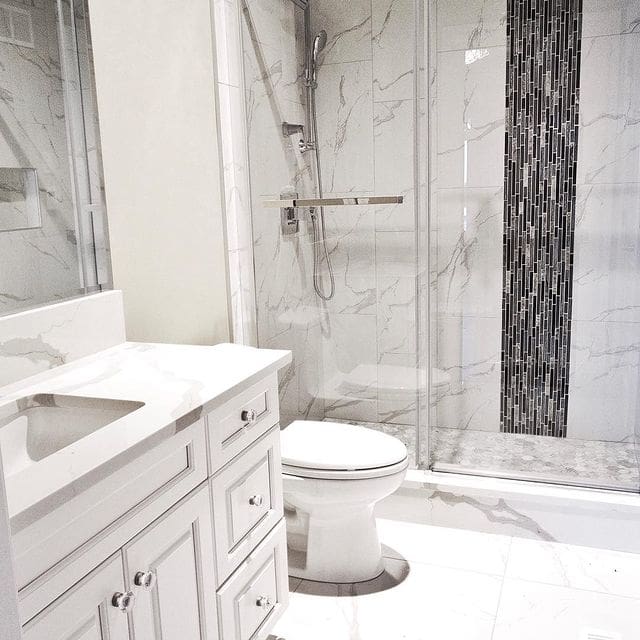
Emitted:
pixel 468 81
pixel 355 355
pixel 541 149
pixel 366 103
pixel 287 312
pixel 39 264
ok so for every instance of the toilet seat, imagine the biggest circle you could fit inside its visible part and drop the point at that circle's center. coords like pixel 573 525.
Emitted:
pixel 339 451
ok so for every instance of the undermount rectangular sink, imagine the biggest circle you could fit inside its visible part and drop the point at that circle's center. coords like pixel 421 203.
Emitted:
pixel 37 426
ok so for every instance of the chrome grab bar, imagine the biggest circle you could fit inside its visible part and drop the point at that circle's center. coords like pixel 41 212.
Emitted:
pixel 331 202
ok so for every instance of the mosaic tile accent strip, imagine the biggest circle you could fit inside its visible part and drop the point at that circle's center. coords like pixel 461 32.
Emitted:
pixel 541 140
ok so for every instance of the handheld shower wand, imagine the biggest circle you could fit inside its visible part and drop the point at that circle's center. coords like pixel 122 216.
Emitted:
pixel 320 250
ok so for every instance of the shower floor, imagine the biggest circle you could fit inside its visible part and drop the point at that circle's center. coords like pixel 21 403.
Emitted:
pixel 608 464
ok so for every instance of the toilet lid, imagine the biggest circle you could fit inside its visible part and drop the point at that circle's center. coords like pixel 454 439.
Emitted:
pixel 338 446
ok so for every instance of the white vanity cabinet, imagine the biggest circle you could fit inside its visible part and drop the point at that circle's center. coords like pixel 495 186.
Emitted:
pixel 169 569
pixel 85 612
pixel 159 586
pixel 203 562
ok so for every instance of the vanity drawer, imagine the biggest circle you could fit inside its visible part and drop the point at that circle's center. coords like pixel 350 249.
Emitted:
pixel 253 599
pixel 239 422
pixel 247 502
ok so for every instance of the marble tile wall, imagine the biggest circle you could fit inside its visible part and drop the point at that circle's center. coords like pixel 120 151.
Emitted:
pixel 366 102
pixel 40 339
pixel 287 313
pixel 466 130
pixel 466 127
pixel 366 333
pixel 39 264
pixel 604 385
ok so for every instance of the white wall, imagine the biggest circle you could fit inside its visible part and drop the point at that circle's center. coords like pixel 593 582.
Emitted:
pixel 155 85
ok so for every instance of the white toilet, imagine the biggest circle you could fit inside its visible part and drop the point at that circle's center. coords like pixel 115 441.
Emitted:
pixel 334 474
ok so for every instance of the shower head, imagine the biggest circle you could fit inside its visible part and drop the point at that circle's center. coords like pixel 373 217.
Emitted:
pixel 319 43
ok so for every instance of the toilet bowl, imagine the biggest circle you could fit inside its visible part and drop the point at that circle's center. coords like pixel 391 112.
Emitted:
pixel 333 475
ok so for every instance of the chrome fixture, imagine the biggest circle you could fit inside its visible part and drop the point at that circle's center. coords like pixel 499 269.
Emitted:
pixel 289 129
pixel 123 601
pixel 311 72
pixel 145 579
pixel 296 202
pixel 256 501
pixel 289 220
pixel 249 416
pixel 263 602
pixel 320 249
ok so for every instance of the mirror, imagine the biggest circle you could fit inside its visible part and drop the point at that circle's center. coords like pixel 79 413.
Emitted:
pixel 53 238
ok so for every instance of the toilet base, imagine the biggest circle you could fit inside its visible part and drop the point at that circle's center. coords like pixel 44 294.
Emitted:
pixel 339 545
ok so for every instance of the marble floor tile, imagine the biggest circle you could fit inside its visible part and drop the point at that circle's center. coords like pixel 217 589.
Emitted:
pixel 438 587
pixel 430 602
pixel 531 611
pixel 564 565
pixel 444 546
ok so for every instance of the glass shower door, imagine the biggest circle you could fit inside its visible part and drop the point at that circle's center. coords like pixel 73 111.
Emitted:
pixel 535 240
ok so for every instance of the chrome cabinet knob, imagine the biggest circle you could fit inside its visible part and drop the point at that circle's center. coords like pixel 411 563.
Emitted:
pixel 145 579
pixel 256 501
pixel 263 602
pixel 123 601
pixel 249 416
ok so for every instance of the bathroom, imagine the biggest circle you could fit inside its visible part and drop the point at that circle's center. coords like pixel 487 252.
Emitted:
pixel 319 319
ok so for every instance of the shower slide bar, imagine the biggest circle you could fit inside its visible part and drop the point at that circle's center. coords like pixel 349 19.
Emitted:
pixel 331 202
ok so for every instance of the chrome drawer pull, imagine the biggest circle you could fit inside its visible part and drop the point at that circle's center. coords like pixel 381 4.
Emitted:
pixel 263 602
pixel 123 601
pixel 249 416
pixel 145 579
pixel 256 501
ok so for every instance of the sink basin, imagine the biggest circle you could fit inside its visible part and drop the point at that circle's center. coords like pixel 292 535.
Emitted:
pixel 37 426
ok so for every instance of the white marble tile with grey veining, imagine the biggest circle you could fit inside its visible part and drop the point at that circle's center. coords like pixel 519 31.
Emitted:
pixel 607 253
pixel 610 17
pixel 396 314
pixel 468 356
pixel 398 397
pixel 40 339
pixel 558 613
pixel 600 570
pixel 609 142
pixel 603 390
pixel 470 118
pixel 393 43
pixel 394 148
pixel 345 120
pixel 469 251
pixel 349 367
pixel 41 264
pixel 470 24
pixel 348 27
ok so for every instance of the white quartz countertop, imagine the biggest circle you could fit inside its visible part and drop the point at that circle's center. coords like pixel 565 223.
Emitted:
pixel 173 381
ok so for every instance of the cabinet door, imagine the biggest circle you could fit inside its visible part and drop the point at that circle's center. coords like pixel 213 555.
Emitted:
pixel 170 568
pixel 85 612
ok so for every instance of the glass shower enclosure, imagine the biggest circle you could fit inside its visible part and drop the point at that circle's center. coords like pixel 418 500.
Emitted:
pixel 486 310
